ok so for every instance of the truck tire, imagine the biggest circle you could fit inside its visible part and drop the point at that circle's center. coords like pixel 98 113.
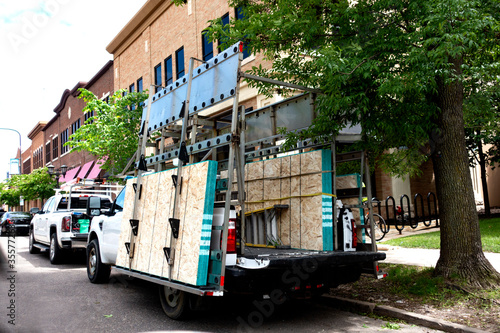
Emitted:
pixel 175 303
pixel 32 248
pixel 97 272
pixel 55 252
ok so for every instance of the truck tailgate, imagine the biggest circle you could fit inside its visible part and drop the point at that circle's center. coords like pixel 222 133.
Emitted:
pixel 298 273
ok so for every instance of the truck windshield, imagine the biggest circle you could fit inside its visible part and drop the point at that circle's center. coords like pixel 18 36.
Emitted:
pixel 80 203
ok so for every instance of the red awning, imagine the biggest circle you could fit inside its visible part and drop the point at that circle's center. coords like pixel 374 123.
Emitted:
pixel 70 174
pixel 95 170
pixel 85 169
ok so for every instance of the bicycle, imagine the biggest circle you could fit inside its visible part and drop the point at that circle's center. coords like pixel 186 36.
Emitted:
pixel 379 225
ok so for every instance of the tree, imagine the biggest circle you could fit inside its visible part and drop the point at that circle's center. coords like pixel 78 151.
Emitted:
pixel 400 69
pixel 36 185
pixel 482 120
pixel 9 191
pixel 111 134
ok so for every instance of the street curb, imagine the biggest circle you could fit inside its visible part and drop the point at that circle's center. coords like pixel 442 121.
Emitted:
pixel 387 311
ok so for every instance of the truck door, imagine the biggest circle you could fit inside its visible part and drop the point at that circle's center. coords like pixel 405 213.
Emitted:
pixel 111 228
pixel 41 226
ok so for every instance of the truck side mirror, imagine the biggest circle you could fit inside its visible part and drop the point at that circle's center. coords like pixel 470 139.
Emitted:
pixel 94 206
pixel 34 210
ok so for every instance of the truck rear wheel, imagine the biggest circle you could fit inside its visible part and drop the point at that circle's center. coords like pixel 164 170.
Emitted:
pixel 32 248
pixel 55 252
pixel 97 272
pixel 175 303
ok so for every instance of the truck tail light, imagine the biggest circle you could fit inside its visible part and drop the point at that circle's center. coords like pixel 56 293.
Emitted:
pixel 231 237
pixel 354 234
pixel 9 221
pixel 66 223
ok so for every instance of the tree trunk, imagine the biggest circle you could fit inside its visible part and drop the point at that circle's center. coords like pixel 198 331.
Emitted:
pixel 484 183
pixel 461 250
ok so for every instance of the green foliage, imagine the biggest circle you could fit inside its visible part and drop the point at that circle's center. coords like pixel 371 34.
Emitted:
pixel 37 185
pixel 391 326
pixel 9 191
pixel 482 119
pixel 381 64
pixel 112 133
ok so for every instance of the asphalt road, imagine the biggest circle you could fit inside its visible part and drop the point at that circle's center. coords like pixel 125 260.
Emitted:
pixel 39 297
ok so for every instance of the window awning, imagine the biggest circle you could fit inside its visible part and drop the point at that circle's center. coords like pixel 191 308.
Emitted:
pixel 70 174
pixel 95 170
pixel 85 169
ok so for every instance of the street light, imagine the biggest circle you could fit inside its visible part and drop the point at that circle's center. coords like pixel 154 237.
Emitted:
pixel 62 171
pixel 20 150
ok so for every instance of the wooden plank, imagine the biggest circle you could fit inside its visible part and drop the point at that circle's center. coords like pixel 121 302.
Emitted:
pixel 285 216
pixel 148 223
pixel 196 204
pixel 161 238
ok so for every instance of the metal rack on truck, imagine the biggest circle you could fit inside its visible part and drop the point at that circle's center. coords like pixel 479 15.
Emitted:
pixel 218 206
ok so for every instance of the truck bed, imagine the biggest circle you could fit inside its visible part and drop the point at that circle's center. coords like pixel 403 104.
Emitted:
pixel 298 273
pixel 279 257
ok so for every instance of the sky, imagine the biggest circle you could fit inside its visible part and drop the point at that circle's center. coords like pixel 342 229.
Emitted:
pixel 47 46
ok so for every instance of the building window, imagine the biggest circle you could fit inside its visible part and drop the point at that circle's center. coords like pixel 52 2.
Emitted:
pixel 140 88
pixel 225 22
pixel 75 126
pixel 88 115
pixel 47 152
pixel 27 167
pixel 55 147
pixel 207 46
pixel 240 16
pixel 179 62
pixel 64 139
pixel 139 85
pixel 131 89
pixel 169 74
pixel 38 158
pixel 157 77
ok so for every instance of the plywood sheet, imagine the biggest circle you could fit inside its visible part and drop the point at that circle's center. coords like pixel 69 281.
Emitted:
pixel 304 182
pixel 195 211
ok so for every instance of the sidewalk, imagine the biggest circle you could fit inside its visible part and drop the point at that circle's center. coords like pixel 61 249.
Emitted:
pixel 419 257
pixel 423 257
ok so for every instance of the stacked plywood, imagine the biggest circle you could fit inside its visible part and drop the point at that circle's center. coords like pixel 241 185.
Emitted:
pixel 351 181
pixel 195 211
pixel 304 183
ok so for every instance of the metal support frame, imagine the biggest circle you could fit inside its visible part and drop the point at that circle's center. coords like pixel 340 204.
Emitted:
pixel 236 138
pixel 179 168
pixel 140 154
pixel 232 151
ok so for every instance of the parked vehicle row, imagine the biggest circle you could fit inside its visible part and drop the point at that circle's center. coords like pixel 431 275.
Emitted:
pixel 63 223
pixel 15 223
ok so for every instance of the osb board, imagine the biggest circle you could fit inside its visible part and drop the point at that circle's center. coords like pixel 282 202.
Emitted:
pixel 302 180
pixel 195 211
pixel 347 181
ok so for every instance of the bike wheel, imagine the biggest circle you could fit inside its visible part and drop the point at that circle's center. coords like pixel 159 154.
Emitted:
pixel 380 227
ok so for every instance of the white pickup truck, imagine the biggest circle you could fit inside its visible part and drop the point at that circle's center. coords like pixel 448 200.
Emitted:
pixel 104 234
pixel 62 225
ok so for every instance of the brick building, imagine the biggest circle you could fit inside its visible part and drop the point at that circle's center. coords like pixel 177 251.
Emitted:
pixel 69 118
pixel 157 43
pixel 48 138
pixel 155 47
